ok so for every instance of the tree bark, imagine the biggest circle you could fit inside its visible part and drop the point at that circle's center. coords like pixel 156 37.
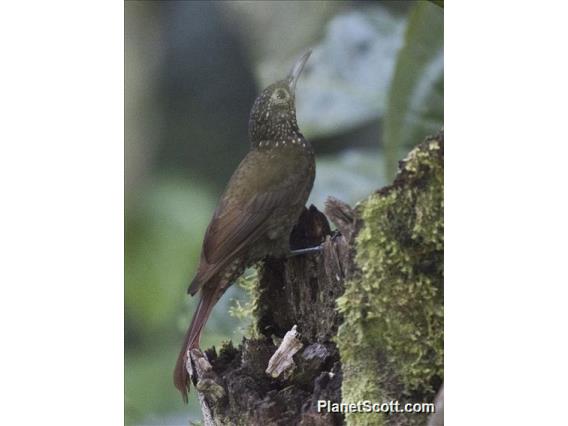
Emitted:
pixel 364 316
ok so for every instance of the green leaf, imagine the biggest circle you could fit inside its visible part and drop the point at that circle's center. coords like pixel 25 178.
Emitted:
pixel 346 80
pixel 415 106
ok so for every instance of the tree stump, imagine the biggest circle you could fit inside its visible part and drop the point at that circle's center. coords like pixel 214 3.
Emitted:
pixel 363 318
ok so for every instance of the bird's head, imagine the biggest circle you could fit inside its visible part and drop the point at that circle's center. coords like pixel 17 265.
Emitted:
pixel 273 114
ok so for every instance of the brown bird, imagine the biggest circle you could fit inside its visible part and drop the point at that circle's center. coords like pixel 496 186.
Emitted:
pixel 262 202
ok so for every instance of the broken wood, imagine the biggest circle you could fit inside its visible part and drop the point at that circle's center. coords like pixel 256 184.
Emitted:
pixel 282 359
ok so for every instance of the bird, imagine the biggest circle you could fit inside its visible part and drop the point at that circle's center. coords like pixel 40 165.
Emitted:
pixel 262 202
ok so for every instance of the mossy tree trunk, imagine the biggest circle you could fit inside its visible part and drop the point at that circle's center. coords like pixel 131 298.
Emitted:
pixel 369 309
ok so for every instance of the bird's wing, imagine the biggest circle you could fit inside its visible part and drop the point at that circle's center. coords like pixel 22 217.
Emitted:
pixel 243 214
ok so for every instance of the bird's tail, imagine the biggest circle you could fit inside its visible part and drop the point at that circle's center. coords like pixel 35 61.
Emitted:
pixel 209 297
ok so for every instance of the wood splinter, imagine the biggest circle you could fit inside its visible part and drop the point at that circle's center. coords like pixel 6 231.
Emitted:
pixel 282 359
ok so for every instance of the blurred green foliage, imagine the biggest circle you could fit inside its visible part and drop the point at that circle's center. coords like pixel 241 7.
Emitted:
pixel 416 97
pixel 161 238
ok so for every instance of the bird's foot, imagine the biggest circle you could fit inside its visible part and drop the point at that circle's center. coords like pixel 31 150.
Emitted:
pixel 307 250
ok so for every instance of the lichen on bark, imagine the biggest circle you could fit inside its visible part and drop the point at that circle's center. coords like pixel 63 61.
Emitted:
pixel 391 339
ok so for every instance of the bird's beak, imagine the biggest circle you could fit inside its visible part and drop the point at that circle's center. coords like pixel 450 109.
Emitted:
pixel 297 70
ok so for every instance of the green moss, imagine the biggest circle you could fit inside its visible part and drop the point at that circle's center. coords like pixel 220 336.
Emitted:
pixel 391 341
pixel 246 311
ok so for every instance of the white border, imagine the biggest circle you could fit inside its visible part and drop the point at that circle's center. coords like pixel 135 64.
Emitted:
pixel 61 173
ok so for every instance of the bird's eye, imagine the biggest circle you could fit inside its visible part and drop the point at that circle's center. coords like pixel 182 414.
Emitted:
pixel 281 95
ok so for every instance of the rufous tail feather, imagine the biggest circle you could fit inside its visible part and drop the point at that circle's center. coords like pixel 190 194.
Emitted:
pixel 209 297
